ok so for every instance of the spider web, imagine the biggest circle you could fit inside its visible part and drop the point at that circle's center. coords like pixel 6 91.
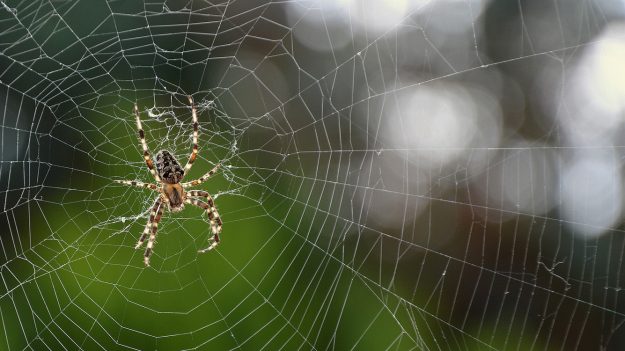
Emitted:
pixel 396 174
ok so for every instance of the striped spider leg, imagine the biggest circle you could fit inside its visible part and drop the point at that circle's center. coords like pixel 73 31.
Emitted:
pixel 144 145
pixel 151 228
pixel 137 184
pixel 194 150
pixel 203 178
pixel 211 211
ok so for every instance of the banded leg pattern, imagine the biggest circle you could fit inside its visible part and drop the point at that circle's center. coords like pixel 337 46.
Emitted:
pixel 203 178
pixel 137 184
pixel 144 145
pixel 213 217
pixel 150 228
pixel 194 151
pixel 155 209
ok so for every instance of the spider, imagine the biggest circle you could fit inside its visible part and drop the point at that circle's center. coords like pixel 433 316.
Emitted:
pixel 172 193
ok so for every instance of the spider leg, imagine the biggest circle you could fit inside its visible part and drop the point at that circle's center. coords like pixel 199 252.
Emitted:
pixel 213 217
pixel 144 145
pixel 150 245
pixel 157 210
pixel 194 151
pixel 137 184
pixel 201 193
pixel 203 178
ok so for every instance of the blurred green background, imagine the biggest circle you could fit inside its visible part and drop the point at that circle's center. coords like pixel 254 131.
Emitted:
pixel 397 175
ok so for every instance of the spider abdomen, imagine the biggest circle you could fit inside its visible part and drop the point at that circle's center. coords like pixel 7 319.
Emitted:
pixel 168 167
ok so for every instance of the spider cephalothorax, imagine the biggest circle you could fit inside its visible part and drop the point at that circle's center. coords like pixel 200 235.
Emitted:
pixel 169 174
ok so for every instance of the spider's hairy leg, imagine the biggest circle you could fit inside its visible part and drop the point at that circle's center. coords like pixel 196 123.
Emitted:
pixel 213 216
pixel 201 193
pixel 137 184
pixel 144 145
pixel 150 245
pixel 203 178
pixel 156 211
pixel 194 151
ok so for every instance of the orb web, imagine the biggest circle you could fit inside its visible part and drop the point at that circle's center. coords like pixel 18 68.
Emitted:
pixel 395 174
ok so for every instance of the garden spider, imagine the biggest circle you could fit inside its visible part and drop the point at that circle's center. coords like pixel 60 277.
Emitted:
pixel 168 174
